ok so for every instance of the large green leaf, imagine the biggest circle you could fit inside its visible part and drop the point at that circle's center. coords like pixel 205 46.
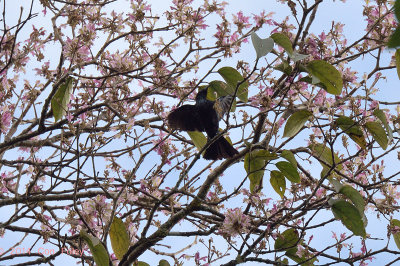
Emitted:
pixel 324 154
pixel 254 164
pixel 287 239
pixel 289 171
pixel 278 182
pixel 221 88
pixel 297 57
pixel 327 74
pixel 295 122
pixel 304 261
pixel 336 184
pixel 349 216
pixel 163 263
pixel 397 9
pixel 61 98
pixel 99 252
pixel 289 156
pixel 198 138
pixel 232 78
pixel 396 236
pixel 284 67
pixel 355 197
pixel 352 130
pixel 314 81
pixel 381 116
pixel 394 40
pixel 262 46
pixel 397 57
pixel 283 41
pixel 325 171
pixel 141 263
pixel 254 167
pixel 119 237
pixel 378 133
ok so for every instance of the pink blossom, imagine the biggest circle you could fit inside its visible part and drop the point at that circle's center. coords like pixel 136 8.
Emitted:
pixel 373 105
pixel 241 18
pixel 320 192
pixel 269 91
pixel 69 116
pixel 281 122
pixel 300 250
pixel 234 37
pixel 197 258
pixel 5 121
pixel 235 223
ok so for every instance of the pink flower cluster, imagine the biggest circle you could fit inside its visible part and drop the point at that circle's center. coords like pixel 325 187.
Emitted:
pixel 235 223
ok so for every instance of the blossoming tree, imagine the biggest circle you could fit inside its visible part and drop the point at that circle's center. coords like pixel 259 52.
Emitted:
pixel 88 162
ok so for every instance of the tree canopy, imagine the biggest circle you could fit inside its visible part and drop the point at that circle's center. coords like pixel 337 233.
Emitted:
pixel 90 169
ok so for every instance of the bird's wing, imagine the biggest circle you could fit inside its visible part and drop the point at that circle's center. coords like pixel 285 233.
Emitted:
pixel 187 118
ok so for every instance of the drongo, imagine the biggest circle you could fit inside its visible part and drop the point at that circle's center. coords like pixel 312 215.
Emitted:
pixel 205 116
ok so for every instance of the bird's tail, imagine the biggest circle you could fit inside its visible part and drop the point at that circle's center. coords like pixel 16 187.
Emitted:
pixel 220 149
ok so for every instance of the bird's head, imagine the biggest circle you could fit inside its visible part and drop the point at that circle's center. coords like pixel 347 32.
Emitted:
pixel 201 96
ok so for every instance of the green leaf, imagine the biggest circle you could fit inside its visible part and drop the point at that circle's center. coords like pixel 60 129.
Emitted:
pixel 397 9
pixel 302 69
pixel 283 261
pixel 313 81
pixel 232 78
pixel 354 196
pixel 283 41
pixel 325 171
pixel 295 122
pixel 289 171
pixel 394 40
pixel 289 156
pixel 221 88
pixel 254 164
pixel 297 57
pixel 163 263
pixel 255 169
pixel 327 74
pixel 349 216
pixel 262 46
pixel 211 94
pixel 352 130
pixel 396 236
pixel 141 263
pixel 278 182
pixel 99 252
pixel 378 133
pixel 381 116
pixel 397 57
pixel 291 253
pixel 324 154
pixel 198 138
pixel 336 184
pixel 287 239
pixel 356 199
pixel 119 238
pixel 284 67
pixel 61 98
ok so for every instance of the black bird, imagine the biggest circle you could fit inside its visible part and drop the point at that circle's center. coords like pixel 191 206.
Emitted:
pixel 205 116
